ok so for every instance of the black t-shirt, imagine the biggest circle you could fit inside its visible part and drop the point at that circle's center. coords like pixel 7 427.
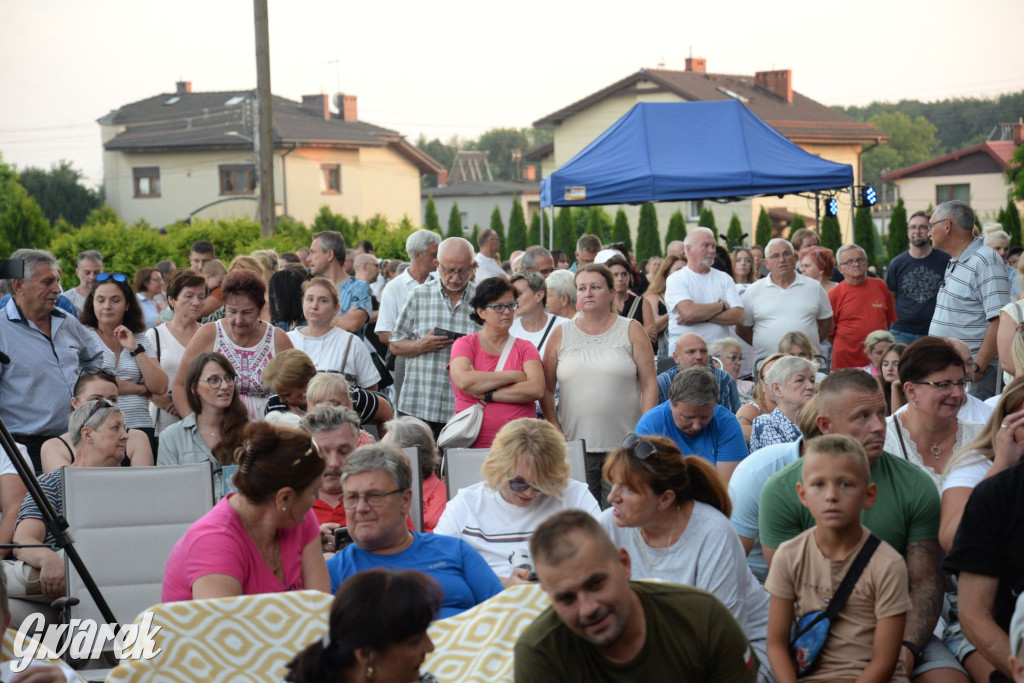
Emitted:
pixel 990 540
pixel 916 282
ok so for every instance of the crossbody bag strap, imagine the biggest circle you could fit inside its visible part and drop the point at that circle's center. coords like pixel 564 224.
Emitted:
pixel 504 353
pixel 632 309
pixel 842 593
pixel 157 335
pixel 899 434
pixel 344 358
pixel 551 323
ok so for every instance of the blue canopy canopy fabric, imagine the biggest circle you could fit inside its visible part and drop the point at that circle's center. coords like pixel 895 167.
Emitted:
pixel 670 151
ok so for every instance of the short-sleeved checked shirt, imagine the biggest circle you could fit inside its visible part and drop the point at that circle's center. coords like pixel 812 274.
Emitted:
pixel 427 391
pixel 974 291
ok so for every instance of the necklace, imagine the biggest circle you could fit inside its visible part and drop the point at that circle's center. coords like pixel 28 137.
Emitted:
pixel 665 552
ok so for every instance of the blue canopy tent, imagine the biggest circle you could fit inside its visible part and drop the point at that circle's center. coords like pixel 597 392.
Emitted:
pixel 688 150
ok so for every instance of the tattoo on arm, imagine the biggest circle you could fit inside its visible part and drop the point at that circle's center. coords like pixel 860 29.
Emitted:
pixel 926 590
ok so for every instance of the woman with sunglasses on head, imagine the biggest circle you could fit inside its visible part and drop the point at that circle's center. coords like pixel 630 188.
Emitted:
pixel 93 384
pixel 928 431
pixel 112 316
pixel 186 296
pixel 98 435
pixel 671 513
pixel 526 480
pixel 214 429
pixel 263 538
pixel 507 392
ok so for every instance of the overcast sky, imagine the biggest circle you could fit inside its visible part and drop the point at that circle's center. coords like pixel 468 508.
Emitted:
pixel 458 67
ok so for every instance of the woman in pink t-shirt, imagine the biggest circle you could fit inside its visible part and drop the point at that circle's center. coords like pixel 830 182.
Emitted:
pixel 507 394
pixel 264 538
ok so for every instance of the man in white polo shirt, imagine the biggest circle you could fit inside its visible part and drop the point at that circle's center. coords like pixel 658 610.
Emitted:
pixel 700 299
pixel 783 302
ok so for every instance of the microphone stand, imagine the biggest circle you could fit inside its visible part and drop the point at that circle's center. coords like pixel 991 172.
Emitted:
pixel 56 525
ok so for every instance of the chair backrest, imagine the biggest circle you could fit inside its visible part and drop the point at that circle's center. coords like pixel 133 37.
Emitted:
pixel 125 521
pixel 576 451
pixel 416 509
pixel 242 638
pixel 463 468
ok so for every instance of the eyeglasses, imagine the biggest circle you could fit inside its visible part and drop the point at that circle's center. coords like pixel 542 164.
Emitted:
pixel 858 261
pixel 215 382
pixel 451 272
pixel 501 308
pixel 733 357
pixel 776 257
pixel 116 277
pixel 519 485
pixel 932 225
pixel 637 447
pixel 947 385
pixel 374 500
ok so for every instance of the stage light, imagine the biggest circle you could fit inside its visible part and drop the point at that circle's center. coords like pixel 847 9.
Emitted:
pixel 868 196
pixel 832 207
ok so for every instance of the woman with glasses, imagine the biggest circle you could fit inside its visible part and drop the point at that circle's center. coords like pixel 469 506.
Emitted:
pixel 242 337
pixel 728 351
pixel 99 437
pixel 671 513
pixel 525 481
pixel 263 538
pixel 94 384
pixel 928 431
pixel 377 496
pixel 112 316
pixel 507 392
pixel 213 430
pixel 186 296
pixel 148 285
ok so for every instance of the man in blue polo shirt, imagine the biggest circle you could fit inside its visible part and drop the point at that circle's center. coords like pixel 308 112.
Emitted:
pixel 693 419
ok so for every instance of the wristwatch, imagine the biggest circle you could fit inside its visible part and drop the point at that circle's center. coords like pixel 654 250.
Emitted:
pixel 138 349
pixel 977 368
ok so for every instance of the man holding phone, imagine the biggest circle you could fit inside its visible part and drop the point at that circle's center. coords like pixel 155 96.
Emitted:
pixel 433 314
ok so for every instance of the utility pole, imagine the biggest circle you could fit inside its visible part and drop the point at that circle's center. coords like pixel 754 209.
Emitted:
pixel 264 129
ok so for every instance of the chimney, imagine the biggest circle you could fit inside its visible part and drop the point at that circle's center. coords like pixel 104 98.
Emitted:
pixel 779 83
pixel 183 87
pixel 530 173
pixel 317 105
pixel 696 65
pixel 348 108
pixel 1018 132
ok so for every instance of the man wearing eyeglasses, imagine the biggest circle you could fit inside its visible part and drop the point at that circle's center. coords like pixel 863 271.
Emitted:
pixel 860 305
pixel 47 349
pixel 914 278
pixel 974 290
pixel 433 316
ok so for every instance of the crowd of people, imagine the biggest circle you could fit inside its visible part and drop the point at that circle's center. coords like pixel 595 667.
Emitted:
pixel 759 424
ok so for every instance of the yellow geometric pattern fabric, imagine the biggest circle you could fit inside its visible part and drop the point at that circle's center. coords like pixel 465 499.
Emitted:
pixel 7 648
pixel 244 638
pixel 478 644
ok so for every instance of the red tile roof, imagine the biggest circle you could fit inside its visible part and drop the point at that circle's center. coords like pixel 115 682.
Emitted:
pixel 1001 152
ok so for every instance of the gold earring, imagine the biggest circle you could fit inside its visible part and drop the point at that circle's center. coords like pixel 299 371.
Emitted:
pixel 369 672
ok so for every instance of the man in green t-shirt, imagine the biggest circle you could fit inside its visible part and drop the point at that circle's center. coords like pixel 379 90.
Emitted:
pixel 905 515
pixel 603 627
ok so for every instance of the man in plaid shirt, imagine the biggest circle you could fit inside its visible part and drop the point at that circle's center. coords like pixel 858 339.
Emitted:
pixel 443 305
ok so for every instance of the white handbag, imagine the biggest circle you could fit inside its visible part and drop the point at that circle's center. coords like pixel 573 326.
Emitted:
pixel 464 427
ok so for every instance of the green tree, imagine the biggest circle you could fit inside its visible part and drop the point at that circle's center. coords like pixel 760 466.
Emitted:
pixel 443 153
pixel 430 219
pixel 734 235
pixel 498 223
pixel 898 240
pixel 831 234
pixel 516 226
pixel 60 193
pixel 533 235
pixel 676 228
pixel 647 242
pixel 764 229
pixel 620 232
pixel 565 237
pixel 1012 223
pixel 506 147
pixel 22 223
pixel 864 233
pixel 325 219
pixel 475 237
pixel 798 224
pixel 595 224
pixel 707 220
pixel 455 222
pixel 911 141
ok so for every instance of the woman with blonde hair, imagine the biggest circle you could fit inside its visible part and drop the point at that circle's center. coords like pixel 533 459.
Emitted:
pixel 671 513
pixel 288 375
pixel 743 269
pixel 761 400
pixel 655 296
pixel 332 388
pixel 526 480
pixel 875 346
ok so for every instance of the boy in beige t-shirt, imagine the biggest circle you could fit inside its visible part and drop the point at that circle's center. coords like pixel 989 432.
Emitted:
pixel 864 639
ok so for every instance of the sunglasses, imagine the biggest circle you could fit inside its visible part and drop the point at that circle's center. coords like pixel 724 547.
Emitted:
pixel 99 403
pixel 519 485
pixel 313 449
pixel 116 277
pixel 637 447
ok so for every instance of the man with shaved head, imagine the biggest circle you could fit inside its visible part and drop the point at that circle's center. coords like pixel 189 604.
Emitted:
pixel 699 298
pixel 603 627
pixel 691 351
